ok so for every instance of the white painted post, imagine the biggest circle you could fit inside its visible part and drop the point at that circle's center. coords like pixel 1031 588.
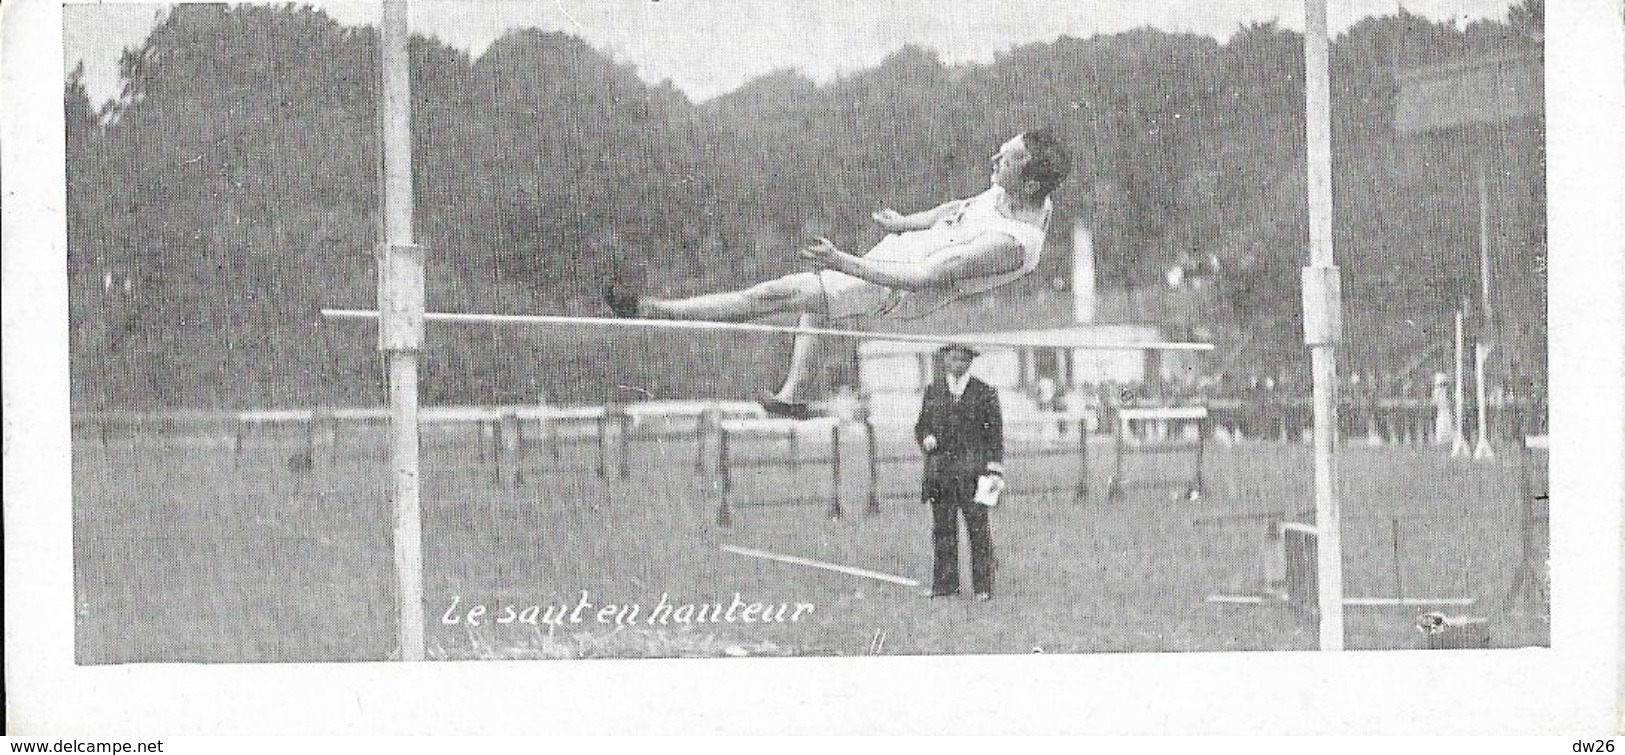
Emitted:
pixel 1323 323
pixel 400 331
pixel 1482 449
pixel 1483 344
pixel 1458 444
pixel 1083 274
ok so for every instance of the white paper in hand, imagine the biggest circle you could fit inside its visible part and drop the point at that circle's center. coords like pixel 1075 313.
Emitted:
pixel 988 488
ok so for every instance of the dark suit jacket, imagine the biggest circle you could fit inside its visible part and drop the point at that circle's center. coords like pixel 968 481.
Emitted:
pixel 969 431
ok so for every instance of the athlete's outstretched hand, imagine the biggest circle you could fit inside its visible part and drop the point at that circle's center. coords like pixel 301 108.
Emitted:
pixel 822 253
pixel 890 220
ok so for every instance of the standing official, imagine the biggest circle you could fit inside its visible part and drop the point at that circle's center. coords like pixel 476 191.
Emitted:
pixel 961 431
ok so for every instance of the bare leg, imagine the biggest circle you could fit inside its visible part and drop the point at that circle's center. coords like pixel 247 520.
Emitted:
pixel 802 293
pixel 803 357
pixel 798 292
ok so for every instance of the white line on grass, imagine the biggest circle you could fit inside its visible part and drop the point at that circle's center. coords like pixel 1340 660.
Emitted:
pixel 1255 599
pixel 852 570
pixel 1243 599
pixel 1409 601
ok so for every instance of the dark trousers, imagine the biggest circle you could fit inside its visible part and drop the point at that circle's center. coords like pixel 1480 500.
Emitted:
pixel 951 497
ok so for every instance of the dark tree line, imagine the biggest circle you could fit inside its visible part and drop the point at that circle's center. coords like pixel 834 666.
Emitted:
pixel 231 192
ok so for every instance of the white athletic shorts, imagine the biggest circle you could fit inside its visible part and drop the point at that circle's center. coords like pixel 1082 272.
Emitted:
pixel 850 296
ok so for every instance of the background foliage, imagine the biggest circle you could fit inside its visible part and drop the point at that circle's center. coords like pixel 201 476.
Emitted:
pixel 231 192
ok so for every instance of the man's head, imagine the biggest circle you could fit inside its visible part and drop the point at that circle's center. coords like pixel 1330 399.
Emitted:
pixel 956 358
pixel 1031 164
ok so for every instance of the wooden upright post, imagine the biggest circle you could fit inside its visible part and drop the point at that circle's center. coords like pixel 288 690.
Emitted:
pixel 1323 324
pixel 400 331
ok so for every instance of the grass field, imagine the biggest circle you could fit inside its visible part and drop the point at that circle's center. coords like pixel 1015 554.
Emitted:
pixel 185 551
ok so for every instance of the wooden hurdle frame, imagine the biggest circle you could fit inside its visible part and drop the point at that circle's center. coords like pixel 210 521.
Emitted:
pixel 779 429
pixel 1296 547
pixel 726 501
pixel 1123 429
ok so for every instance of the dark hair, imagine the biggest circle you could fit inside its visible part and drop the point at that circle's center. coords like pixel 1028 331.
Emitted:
pixel 1048 161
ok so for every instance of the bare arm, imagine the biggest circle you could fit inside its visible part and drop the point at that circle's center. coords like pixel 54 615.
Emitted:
pixel 987 254
pixel 894 222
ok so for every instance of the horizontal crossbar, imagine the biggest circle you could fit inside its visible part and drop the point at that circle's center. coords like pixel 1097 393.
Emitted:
pixel 461 318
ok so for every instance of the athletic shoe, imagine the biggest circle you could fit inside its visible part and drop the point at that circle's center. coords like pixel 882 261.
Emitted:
pixel 620 302
pixel 939 594
pixel 785 409
pixel 984 596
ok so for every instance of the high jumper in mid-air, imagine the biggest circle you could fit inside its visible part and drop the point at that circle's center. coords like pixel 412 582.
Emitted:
pixel 928 260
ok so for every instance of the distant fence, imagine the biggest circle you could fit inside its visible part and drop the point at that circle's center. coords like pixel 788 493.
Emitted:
pixel 507 437
pixel 1385 420
pixel 862 459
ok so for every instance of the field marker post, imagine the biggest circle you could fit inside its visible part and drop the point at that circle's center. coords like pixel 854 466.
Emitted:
pixel 1399 564
pixel 545 430
pixel 331 432
pixel 835 470
pixel 1482 449
pixel 603 463
pixel 794 439
pixel 400 324
pixel 1114 484
pixel 312 426
pixel 1322 300
pixel 725 479
pixel 1082 494
pixel 1203 426
pixel 1458 444
pixel 623 422
pixel 873 448
pixel 511 451
pixel 701 423
pixel 486 442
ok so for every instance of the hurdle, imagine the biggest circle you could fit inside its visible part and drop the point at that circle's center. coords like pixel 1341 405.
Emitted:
pixel 320 431
pixel 110 426
pixel 499 433
pixel 1116 485
pixel 1019 485
pixel 787 431
pixel 728 461
pixel 614 431
pixel 1295 557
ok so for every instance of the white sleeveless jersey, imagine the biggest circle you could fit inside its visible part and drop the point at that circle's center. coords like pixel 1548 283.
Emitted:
pixel 973 217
